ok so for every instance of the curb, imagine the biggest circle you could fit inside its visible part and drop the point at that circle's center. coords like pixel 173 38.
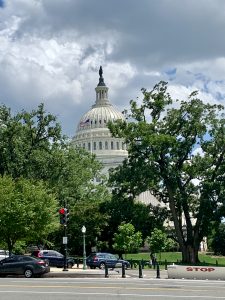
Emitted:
pixel 79 273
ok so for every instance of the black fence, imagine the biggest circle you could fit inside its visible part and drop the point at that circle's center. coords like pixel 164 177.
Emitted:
pixel 135 264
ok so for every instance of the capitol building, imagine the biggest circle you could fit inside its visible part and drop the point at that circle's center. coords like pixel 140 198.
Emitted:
pixel 93 134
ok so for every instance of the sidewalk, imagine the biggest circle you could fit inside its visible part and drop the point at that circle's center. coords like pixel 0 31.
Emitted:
pixel 79 272
pixel 97 273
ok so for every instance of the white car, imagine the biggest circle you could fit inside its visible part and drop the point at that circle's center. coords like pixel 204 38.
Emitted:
pixel 4 254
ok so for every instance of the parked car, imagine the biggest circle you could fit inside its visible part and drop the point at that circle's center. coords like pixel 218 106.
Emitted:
pixel 4 254
pixel 100 260
pixel 23 265
pixel 54 258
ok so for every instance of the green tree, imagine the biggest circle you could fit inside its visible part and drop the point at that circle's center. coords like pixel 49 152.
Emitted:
pixel 162 141
pixel 28 211
pixel 28 142
pixel 124 210
pixel 32 146
pixel 216 241
pixel 159 242
pixel 127 240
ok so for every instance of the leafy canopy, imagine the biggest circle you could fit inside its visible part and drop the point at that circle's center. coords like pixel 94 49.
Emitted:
pixel 28 211
pixel 176 150
pixel 127 240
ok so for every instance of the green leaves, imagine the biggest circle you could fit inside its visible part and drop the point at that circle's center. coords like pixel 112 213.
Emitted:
pixel 28 210
pixel 127 240
pixel 177 151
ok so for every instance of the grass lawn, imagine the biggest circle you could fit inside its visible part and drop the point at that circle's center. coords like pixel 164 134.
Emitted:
pixel 175 257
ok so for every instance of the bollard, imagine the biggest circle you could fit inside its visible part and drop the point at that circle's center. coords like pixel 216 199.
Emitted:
pixel 106 271
pixel 157 271
pixel 78 263
pixel 131 263
pixel 165 264
pixel 123 271
pixel 140 270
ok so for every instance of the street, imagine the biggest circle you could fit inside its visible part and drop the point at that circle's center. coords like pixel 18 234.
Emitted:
pixel 108 288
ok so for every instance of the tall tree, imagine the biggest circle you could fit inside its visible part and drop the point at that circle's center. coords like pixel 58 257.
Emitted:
pixel 28 211
pixel 27 142
pixel 177 152
pixel 32 146
pixel 126 240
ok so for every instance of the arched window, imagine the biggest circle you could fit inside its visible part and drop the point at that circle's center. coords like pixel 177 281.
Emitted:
pixel 94 145
pixel 112 145
pixel 106 145
pixel 117 146
pixel 89 146
pixel 100 145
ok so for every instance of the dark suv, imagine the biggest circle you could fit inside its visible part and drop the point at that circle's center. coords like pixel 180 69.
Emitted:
pixel 100 260
pixel 54 258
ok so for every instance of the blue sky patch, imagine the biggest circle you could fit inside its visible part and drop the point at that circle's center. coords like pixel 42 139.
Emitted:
pixel 1 3
pixel 171 73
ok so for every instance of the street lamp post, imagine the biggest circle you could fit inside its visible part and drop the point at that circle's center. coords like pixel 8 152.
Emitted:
pixel 83 229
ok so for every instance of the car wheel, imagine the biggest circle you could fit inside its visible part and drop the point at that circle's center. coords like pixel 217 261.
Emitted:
pixel 102 266
pixel 28 273
pixel 69 265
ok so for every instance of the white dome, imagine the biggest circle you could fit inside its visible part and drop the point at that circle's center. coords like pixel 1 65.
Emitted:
pixel 98 117
pixel 93 134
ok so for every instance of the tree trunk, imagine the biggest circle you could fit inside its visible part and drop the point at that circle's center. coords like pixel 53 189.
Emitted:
pixel 190 254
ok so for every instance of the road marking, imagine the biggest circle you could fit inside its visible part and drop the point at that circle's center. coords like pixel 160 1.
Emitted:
pixel 101 287
pixel 163 296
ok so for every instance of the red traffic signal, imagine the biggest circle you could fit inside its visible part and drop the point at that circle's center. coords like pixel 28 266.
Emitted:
pixel 62 211
pixel 64 216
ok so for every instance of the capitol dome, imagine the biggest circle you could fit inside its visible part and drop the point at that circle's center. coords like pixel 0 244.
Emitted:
pixel 93 134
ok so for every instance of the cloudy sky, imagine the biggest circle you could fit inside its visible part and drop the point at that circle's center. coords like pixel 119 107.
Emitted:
pixel 51 50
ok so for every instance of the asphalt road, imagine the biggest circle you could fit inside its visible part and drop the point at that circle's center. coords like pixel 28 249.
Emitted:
pixel 108 288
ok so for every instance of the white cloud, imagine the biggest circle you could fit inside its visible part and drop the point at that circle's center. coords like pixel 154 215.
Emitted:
pixel 51 50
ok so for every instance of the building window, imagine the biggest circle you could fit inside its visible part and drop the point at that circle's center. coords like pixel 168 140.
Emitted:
pixel 100 145
pixel 112 145
pixel 106 145
pixel 89 146
pixel 94 145
pixel 117 146
pixel 83 145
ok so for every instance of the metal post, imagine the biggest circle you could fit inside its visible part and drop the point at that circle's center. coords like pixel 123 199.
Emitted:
pixel 106 271
pixel 65 245
pixel 84 255
pixel 84 248
pixel 140 270
pixel 157 271
pixel 131 263
pixel 123 271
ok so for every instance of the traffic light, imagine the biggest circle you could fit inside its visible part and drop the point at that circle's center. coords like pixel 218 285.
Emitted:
pixel 64 216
